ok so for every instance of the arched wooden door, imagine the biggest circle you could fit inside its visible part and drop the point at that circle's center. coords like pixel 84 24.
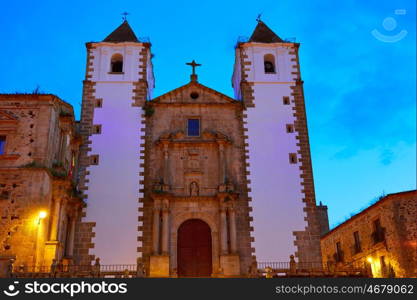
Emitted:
pixel 194 249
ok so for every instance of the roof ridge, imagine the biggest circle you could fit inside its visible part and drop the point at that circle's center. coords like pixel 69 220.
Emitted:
pixel 123 33
pixel 193 83
pixel 264 34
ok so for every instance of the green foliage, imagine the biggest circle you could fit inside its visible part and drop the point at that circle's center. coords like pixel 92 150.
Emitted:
pixel 158 191
pixel 65 114
pixel 149 110
pixel 58 174
pixel 33 164
pixel 74 192
pixel 57 165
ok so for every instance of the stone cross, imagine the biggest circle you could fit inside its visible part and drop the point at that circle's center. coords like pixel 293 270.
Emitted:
pixel 193 64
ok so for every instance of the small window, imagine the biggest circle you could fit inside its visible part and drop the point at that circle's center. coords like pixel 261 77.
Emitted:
pixel 357 246
pixel 194 95
pixel 96 129
pixel 339 252
pixel 269 64
pixel 2 144
pixel 117 63
pixel 290 128
pixel 99 103
pixel 293 158
pixel 94 159
pixel 286 100
pixel 379 232
pixel 193 127
pixel 377 225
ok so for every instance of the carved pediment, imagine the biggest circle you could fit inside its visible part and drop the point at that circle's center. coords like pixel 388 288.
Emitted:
pixel 194 93
pixel 179 135
pixel 7 116
pixel 8 121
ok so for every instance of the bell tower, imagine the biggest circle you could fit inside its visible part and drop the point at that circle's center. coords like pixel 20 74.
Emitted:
pixel 267 79
pixel 118 82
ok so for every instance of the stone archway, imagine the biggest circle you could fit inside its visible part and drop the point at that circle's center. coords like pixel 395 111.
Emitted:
pixel 194 249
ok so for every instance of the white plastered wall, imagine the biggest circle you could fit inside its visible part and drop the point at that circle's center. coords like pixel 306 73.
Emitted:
pixel 113 187
pixel 275 183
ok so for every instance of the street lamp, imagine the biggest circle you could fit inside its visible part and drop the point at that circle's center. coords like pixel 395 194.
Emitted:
pixel 42 215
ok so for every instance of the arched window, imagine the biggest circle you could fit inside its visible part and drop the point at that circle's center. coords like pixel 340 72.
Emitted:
pixel 269 63
pixel 117 63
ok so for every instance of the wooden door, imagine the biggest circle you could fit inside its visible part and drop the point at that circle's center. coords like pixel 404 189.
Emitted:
pixel 194 249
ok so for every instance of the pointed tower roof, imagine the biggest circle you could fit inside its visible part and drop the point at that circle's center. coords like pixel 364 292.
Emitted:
pixel 123 33
pixel 263 34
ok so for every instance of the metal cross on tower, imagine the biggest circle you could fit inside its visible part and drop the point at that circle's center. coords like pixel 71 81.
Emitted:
pixel 125 16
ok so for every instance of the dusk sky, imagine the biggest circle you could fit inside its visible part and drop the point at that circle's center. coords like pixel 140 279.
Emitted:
pixel 360 84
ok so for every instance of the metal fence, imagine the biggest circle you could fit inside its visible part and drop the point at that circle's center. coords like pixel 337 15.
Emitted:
pixel 76 268
pixel 264 268
pixel 287 265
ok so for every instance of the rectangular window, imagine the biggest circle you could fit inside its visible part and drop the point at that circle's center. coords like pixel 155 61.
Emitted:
pixel 286 100
pixel 377 225
pixel 293 158
pixel 378 234
pixel 290 128
pixel 339 252
pixel 99 103
pixel 94 159
pixel 2 144
pixel 357 246
pixel 96 129
pixel 193 127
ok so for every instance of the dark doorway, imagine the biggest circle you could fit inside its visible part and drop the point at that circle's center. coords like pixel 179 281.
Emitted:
pixel 194 249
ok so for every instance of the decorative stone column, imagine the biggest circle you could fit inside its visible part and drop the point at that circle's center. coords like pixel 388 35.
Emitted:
pixel 165 230
pixel 232 230
pixel 53 234
pixel 159 262
pixel 71 227
pixel 229 259
pixel 156 221
pixel 223 232
pixel 62 221
pixel 166 164
pixel 222 163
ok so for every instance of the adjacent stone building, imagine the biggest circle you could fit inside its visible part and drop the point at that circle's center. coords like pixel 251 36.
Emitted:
pixel 381 238
pixel 38 200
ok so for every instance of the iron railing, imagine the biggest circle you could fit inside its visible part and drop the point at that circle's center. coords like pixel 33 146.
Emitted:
pixel 76 268
pixel 287 265
pixel 264 268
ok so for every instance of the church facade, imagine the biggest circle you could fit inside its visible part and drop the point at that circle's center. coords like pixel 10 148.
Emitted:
pixel 184 182
pixel 192 183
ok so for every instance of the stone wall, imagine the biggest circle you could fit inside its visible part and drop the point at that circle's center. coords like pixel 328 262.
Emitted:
pixel 397 214
pixel 36 173
pixel 175 160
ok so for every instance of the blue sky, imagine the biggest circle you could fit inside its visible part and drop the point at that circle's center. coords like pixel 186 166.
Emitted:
pixel 360 91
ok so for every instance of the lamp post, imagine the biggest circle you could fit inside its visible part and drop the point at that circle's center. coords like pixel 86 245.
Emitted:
pixel 42 215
